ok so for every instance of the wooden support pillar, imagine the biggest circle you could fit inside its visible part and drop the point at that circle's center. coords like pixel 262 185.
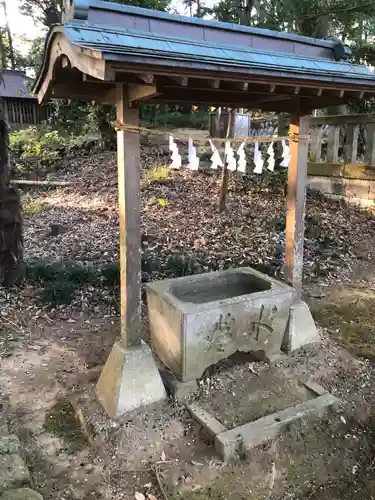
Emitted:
pixel 301 329
pixel 297 180
pixel 130 378
pixel 128 155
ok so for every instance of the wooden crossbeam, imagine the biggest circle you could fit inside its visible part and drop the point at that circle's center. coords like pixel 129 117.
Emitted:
pixel 139 93
pixel 103 93
pixel 146 78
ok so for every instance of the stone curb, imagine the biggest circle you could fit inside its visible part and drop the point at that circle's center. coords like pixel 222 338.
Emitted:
pixel 206 420
pixel 230 443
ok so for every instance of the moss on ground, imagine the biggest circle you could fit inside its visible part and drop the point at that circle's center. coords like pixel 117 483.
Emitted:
pixel 348 314
pixel 63 421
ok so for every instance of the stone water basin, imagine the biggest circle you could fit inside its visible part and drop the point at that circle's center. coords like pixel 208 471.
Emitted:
pixel 197 320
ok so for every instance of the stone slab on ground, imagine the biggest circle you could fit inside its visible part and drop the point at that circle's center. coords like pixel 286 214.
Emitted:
pixel 206 420
pixel 3 422
pixel 9 444
pixel 13 472
pixel 231 443
pixel 21 494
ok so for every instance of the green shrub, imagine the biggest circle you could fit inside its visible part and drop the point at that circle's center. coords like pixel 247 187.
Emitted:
pixel 57 292
pixel 196 119
pixel 37 144
pixel 40 271
pixel 182 265
pixel 150 263
pixel 59 281
pixel 32 206
pixel 111 274
pixel 35 147
pixel 78 274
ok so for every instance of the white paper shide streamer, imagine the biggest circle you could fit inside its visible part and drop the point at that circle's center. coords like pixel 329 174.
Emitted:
pixel 229 157
pixel 193 158
pixel 215 158
pixel 241 165
pixel 176 157
pixel 258 161
pixel 271 157
pixel 286 155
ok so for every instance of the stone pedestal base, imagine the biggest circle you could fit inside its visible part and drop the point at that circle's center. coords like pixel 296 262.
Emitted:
pixel 129 379
pixel 301 329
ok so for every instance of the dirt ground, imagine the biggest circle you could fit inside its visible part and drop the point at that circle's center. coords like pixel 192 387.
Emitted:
pixel 51 359
pixel 75 452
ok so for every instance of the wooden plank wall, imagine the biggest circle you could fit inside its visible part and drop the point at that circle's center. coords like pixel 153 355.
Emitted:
pixel 26 112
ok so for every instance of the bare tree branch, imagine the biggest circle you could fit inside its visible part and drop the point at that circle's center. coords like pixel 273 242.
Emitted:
pixel 346 10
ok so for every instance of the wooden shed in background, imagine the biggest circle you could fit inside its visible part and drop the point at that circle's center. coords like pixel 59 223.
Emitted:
pixel 22 105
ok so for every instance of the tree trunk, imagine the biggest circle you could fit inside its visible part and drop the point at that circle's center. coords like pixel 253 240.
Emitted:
pixel 3 59
pixel 10 37
pixel 11 222
pixel 198 14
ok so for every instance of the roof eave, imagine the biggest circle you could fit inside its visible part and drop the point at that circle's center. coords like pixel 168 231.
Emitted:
pixel 58 47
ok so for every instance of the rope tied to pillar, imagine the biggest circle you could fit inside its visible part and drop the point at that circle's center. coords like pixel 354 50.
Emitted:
pixel 119 126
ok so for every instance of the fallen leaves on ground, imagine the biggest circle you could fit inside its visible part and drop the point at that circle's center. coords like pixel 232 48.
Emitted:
pixel 249 233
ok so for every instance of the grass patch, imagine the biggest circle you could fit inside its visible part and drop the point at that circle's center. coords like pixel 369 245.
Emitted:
pixel 348 314
pixel 31 206
pixel 159 173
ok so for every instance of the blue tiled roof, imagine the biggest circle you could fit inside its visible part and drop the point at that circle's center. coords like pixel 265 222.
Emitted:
pixel 167 43
pixel 115 42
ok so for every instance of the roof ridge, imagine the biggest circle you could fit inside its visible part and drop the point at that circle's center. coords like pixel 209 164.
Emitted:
pixel 80 13
pixel 156 36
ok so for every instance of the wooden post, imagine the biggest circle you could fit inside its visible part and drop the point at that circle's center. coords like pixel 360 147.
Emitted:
pixel 223 196
pixel 130 378
pixel 297 179
pixel 128 154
